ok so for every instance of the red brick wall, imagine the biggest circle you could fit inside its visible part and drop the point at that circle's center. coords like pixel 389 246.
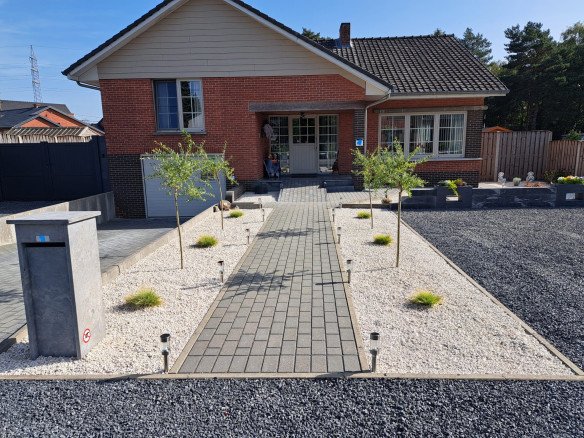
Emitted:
pixel 130 122
pixel 54 117
pixel 434 171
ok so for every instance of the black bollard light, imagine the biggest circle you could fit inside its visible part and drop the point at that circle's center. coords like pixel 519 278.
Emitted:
pixel 338 235
pixel 263 215
pixel 334 215
pixel 248 234
pixel 165 349
pixel 349 264
pixel 221 270
pixel 374 349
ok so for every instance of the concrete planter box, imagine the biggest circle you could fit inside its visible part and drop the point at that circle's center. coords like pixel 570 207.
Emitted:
pixel 569 195
pixel 465 194
pixel 421 198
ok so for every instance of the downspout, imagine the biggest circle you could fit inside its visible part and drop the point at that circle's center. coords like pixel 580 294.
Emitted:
pixel 384 99
pixel 91 87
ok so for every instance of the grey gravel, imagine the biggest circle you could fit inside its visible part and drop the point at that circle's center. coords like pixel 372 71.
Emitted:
pixel 355 407
pixel 530 259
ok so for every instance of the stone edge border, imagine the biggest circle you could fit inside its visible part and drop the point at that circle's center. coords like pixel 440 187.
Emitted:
pixel 528 329
pixel 179 362
pixel 349 296
pixel 115 271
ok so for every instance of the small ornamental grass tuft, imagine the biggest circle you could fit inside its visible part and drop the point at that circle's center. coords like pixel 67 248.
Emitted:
pixel 363 215
pixel 426 298
pixel 206 242
pixel 382 239
pixel 143 299
pixel 235 214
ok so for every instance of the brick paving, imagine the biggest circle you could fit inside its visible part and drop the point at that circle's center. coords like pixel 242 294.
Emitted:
pixel 117 240
pixel 285 309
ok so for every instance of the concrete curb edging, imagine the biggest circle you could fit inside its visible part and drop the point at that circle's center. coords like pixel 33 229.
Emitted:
pixel 189 345
pixel 528 329
pixel 349 296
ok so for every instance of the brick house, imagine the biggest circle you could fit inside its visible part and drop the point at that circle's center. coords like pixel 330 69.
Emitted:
pixel 222 70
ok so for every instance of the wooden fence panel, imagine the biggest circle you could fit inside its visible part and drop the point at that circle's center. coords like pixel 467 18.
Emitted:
pixel 566 155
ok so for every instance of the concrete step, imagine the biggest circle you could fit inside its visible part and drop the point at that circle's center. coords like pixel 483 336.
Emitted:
pixel 338 189
pixel 338 182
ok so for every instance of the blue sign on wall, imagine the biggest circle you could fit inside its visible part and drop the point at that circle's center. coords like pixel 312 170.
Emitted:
pixel 359 142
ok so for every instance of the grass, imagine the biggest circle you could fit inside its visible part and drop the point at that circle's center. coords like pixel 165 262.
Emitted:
pixel 363 215
pixel 382 239
pixel 206 242
pixel 426 298
pixel 235 214
pixel 143 299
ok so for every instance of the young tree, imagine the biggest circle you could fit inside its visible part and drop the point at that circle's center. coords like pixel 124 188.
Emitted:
pixel 179 172
pixel 368 167
pixel 478 45
pixel 398 172
pixel 214 169
pixel 314 36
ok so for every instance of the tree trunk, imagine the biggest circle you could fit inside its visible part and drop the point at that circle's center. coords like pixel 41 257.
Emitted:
pixel 399 203
pixel 371 207
pixel 178 226
pixel 220 200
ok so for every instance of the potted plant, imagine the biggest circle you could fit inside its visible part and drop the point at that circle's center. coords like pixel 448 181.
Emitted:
pixel 458 189
pixel 569 189
pixel 516 181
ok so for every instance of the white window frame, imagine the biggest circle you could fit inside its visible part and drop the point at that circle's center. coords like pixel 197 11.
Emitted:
pixel 181 126
pixel 436 142
pixel 180 106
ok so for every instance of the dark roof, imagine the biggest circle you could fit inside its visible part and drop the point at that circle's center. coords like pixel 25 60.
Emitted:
pixel 15 117
pixel 243 5
pixel 421 64
pixel 19 104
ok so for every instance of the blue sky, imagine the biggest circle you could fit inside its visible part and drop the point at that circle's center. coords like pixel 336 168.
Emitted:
pixel 68 29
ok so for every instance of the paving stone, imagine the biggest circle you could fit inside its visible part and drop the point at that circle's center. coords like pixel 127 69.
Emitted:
pixel 302 364
pixel 270 364
pixel 319 364
pixel 254 364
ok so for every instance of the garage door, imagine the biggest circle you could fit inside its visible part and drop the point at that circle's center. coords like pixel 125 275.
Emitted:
pixel 160 204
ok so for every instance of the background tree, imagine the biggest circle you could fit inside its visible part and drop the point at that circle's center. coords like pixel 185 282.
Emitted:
pixel 315 36
pixel 439 32
pixel 398 172
pixel 214 168
pixel 369 169
pixel 179 172
pixel 478 45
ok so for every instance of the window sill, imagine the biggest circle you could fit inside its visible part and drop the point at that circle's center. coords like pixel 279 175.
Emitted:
pixel 178 132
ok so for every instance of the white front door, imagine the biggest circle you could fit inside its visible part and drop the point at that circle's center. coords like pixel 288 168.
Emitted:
pixel 303 148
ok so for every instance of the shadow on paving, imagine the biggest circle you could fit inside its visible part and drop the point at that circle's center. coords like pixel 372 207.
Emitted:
pixel 530 259
pixel 325 407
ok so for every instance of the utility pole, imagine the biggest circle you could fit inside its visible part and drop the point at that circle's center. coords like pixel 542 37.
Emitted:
pixel 36 80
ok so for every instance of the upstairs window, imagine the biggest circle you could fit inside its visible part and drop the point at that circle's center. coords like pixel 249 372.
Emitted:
pixel 179 105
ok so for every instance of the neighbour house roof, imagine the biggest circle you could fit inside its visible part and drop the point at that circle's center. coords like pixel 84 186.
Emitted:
pixel 16 118
pixel 424 65
pixel 6 105
pixel 421 64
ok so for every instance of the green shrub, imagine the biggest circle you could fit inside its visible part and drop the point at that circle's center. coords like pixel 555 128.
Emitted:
pixel 363 215
pixel 206 242
pixel 570 180
pixel 426 298
pixel 382 239
pixel 235 214
pixel 143 298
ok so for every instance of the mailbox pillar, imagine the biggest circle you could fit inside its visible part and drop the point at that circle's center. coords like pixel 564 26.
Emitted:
pixel 61 281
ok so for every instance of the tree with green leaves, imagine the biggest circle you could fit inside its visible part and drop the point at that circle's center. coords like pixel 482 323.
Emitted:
pixel 215 168
pixel 179 172
pixel 314 36
pixel 368 167
pixel 439 32
pixel 478 45
pixel 397 171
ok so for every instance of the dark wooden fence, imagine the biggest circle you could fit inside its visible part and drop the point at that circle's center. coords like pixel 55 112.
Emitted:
pixel 517 153
pixel 53 171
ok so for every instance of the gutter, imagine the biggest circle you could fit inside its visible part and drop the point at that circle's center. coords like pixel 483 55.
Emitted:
pixel 84 85
pixel 371 105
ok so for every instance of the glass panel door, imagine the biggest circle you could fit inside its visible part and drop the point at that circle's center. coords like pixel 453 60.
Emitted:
pixel 328 143
pixel 280 142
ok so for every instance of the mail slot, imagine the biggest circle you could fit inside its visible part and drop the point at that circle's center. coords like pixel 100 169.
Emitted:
pixel 61 282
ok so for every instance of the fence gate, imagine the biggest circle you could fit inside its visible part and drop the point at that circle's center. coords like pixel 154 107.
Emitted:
pixel 52 171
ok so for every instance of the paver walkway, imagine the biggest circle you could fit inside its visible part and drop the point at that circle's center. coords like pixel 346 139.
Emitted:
pixel 117 240
pixel 285 309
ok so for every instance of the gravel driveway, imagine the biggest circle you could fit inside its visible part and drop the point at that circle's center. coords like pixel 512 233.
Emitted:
pixel 531 260
pixel 406 408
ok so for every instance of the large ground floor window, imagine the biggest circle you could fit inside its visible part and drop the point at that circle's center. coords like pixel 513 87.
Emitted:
pixel 321 131
pixel 438 134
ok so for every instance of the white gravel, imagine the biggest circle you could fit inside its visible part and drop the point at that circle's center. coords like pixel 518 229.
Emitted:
pixel 467 334
pixel 132 341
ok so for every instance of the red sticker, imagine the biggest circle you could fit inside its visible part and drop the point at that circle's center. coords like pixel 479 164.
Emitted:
pixel 86 335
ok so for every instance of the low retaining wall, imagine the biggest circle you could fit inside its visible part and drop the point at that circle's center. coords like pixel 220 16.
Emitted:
pixel 103 202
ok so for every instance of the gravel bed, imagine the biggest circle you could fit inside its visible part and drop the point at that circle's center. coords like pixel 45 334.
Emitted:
pixel 354 407
pixel 132 341
pixel 467 334
pixel 530 259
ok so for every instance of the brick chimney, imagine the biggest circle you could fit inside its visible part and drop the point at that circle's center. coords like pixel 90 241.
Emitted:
pixel 345 35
